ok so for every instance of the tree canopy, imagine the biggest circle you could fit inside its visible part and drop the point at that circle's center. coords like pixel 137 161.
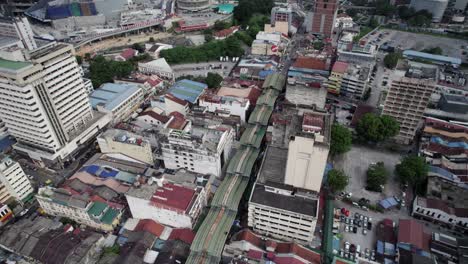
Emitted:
pixel 384 8
pixel 337 180
pixel 377 128
pixel 213 80
pixel 413 170
pixel 376 177
pixel 391 60
pixel 341 139
pixel 102 70
pixel 212 50
pixel 246 9
pixel 433 50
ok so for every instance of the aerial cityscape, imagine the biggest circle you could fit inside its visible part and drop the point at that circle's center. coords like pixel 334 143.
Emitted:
pixel 234 132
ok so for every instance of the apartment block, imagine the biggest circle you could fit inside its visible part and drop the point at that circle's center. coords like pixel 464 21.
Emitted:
pixel 323 17
pixel 285 199
pixel 199 150
pixel 44 103
pixel 412 84
pixel 13 181
pixel 18 28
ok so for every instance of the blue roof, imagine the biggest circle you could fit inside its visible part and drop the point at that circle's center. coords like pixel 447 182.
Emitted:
pixel 265 73
pixel 226 8
pixel 388 203
pixel 106 172
pixel 188 90
pixel 428 56
pixel 449 144
pixel 112 94
pixel 6 142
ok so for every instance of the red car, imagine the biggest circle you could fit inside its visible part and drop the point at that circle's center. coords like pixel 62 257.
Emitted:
pixel 345 211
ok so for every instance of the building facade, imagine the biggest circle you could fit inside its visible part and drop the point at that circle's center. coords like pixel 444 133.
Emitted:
pixel 95 214
pixel 129 144
pixel 225 105
pixel 199 150
pixel 323 17
pixel 193 5
pixel 411 87
pixel 13 181
pixel 44 103
pixel 19 28
pixel 170 204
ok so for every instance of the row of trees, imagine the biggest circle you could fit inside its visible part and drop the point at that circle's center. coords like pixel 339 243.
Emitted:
pixel 212 50
pixel 412 170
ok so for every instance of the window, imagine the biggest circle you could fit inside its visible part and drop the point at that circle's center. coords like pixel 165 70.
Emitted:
pixel 325 6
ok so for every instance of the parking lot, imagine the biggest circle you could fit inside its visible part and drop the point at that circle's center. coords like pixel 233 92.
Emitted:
pixel 355 164
pixel 407 40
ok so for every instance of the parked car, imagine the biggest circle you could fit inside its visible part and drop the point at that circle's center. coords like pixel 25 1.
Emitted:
pixel 364 231
pixel 346 228
pixel 367 253
pixel 369 226
pixel 346 246
pixel 355 230
pixel 358 248
pixel 352 248
pixel 356 215
pixel 373 255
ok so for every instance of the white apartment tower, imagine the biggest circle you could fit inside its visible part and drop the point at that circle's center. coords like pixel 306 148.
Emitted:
pixel 20 28
pixel 13 181
pixel 43 100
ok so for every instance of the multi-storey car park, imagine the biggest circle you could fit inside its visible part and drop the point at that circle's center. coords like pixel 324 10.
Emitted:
pixel 209 241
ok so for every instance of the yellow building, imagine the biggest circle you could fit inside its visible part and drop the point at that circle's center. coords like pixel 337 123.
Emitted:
pixel 336 77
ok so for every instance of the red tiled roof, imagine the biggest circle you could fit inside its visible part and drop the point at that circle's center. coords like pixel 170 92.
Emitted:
pixel 254 254
pixel 128 53
pixel 160 118
pixel 175 99
pixel 410 232
pixel 150 226
pixel 340 67
pixel 288 260
pixel 312 120
pixel 183 234
pixel 173 196
pixel 250 237
pixel 298 250
pixel 226 32
pixel 178 122
pixel 310 63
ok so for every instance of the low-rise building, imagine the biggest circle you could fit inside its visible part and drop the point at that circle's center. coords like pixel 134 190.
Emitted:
pixel 175 104
pixel 439 211
pixel 155 49
pixel 188 90
pixel 118 100
pixel 247 245
pixel 170 204
pixel 349 79
pixel 343 21
pixel 306 95
pixel 265 47
pixel 126 54
pixel 312 68
pixel 358 53
pixel 413 238
pixel 200 150
pixel 126 143
pixel 256 68
pixel 5 214
pixel 222 34
pixel 154 119
pixel 159 67
pixel 226 104
pixel 149 83
pixel 13 181
pixel 82 209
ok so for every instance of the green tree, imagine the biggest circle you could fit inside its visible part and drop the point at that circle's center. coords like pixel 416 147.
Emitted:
pixel 377 128
pixel 412 170
pixel 337 180
pixel 213 80
pixel 139 47
pixel 220 25
pixel 377 176
pixel 79 59
pixel 246 9
pixel 341 139
pixel 384 8
pixel 113 250
pixel 433 50
pixel 151 39
pixel 102 70
pixel 318 45
pixel 391 60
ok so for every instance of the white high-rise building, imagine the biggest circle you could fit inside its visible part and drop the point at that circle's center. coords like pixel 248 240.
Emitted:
pixel 13 181
pixel 19 28
pixel 44 103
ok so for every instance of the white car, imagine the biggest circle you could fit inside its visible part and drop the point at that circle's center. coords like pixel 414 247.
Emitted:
pixel 346 246
pixel 346 228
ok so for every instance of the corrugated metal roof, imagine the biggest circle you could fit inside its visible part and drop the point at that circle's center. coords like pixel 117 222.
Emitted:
pixel 439 58
pixel 112 95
